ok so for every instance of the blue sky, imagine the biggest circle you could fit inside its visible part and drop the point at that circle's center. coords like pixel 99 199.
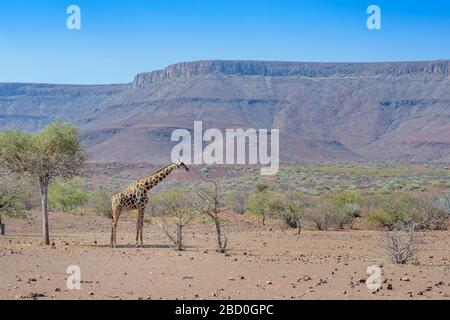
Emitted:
pixel 120 38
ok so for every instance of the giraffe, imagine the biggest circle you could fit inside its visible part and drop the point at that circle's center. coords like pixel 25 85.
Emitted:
pixel 135 197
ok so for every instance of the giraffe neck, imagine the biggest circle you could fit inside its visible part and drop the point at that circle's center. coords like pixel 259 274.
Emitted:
pixel 153 180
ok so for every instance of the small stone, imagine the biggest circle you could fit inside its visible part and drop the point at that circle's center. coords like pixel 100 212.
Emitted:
pixel 404 279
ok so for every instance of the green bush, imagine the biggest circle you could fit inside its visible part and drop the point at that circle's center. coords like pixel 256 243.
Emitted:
pixel 293 209
pixel 100 202
pixel 257 205
pixel 263 202
pixel 396 209
pixel 435 184
pixel 328 215
pixel 413 186
pixel 349 202
pixel 261 187
pixel 67 196
pixel 9 199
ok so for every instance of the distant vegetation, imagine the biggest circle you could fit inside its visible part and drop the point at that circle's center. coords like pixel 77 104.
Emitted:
pixel 397 199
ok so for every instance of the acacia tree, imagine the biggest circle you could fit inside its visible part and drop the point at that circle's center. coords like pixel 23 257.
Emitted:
pixel 175 207
pixel 292 209
pixel 212 205
pixel 54 152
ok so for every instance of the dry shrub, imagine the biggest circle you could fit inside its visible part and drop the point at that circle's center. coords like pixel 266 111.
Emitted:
pixel 328 215
pixel 402 243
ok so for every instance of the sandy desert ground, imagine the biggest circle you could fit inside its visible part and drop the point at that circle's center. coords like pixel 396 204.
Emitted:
pixel 262 263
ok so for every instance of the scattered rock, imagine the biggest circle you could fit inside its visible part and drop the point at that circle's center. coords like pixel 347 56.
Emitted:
pixel 405 278
pixel 31 295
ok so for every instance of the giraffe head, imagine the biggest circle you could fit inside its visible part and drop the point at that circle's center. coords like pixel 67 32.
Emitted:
pixel 180 164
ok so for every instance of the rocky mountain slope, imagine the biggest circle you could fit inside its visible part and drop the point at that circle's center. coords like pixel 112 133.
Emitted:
pixel 325 111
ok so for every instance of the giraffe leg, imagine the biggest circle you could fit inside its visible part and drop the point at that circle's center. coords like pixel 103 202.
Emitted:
pixel 140 227
pixel 115 220
pixel 113 233
pixel 138 224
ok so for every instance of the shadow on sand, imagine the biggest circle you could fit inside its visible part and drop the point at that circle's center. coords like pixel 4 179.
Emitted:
pixel 132 246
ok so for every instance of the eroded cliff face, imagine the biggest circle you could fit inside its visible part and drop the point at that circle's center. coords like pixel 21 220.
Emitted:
pixel 300 69
pixel 325 111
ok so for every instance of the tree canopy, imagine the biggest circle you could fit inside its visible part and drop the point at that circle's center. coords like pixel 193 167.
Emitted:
pixel 56 151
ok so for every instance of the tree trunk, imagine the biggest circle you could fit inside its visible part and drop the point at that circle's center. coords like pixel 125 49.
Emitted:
pixel 179 239
pixel 220 247
pixel 44 205
pixel 2 227
pixel 299 227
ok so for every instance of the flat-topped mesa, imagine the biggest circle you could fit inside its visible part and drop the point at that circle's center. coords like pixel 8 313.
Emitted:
pixel 303 69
